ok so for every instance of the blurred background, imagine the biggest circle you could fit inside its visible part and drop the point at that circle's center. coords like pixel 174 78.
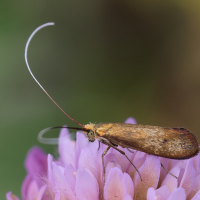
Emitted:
pixel 103 61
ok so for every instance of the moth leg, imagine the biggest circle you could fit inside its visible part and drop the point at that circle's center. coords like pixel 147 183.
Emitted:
pixel 130 150
pixel 123 153
pixel 107 142
pixel 104 170
pixel 99 145
pixel 168 171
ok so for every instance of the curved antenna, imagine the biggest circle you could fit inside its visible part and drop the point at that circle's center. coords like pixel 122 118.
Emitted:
pixel 43 140
pixel 46 140
pixel 26 60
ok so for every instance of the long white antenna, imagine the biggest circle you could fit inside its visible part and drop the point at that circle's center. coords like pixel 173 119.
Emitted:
pixel 26 51
pixel 26 60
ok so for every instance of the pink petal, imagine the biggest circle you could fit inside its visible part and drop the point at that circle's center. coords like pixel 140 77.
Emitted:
pixel 171 181
pixel 138 163
pixel 130 120
pixel 110 157
pixel 69 175
pixel 163 193
pixel 197 196
pixel 91 157
pixel 150 172
pixel 33 190
pixel 151 194
pixel 188 179
pixel 195 187
pixel 88 159
pixel 196 163
pixel 61 184
pixel 163 172
pixel 173 163
pixel 41 192
pixel 127 197
pixel 50 172
pixel 57 197
pixel 139 155
pixel 36 162
pixel 10 196
pixel 81 142
pixel 121 159
pixel 115 186
pixel 86 185
pixel 66 147
pixel 25 185
pixel 160 194
pixel 128 184
pixel 111 165
pixel 178 193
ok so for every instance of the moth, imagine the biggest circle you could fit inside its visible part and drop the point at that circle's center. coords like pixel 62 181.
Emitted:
pixel 173 143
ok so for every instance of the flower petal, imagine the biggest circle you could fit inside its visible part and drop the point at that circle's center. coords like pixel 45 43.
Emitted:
pixel 111 165
pixel 151 194
pixel 33 190
pixel 41 192
pixel 117 185
pixel 130 120
pixel 10 196
pixel 113 188
pixel 128 184
pixel 139 155
pixel 171 181
pixel 50 177
pixel 196 163
pixel 61 184
pixel 110 157
pixel 88 159
pixel 121 159
pixel 150 172
pixel 163 193
pixel 195 187
pixel 177 194
pixel 163 172
pixel 86 185
pixel 69 175
pixel 36 162
pixel 57 197
pixel 81 142
pixel 127 197
pixel 188 179
pixel 25 185
pixel 173 163
pixel 66 147
pixel 196 196
pixel 138 163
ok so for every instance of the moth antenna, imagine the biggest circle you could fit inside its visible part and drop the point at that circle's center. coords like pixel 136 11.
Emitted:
pixel 26 60
pixel 46 140
pixel 43 140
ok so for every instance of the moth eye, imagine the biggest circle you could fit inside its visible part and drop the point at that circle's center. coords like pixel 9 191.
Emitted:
pixel 91 133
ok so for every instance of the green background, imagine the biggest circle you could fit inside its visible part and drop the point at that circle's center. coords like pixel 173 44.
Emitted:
pixel 103 61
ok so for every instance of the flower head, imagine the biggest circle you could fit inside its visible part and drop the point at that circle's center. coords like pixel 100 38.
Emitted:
pixel 78 174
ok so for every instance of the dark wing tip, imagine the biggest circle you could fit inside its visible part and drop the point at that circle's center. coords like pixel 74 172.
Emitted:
pixel 181 129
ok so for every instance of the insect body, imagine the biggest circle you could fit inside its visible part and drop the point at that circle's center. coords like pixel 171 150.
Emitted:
pixel 174 143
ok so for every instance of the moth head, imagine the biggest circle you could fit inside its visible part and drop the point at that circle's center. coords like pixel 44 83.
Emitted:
pixel 90 132
pixel 91 136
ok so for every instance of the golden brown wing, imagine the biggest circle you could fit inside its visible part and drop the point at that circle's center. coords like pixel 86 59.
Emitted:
pixel 174 143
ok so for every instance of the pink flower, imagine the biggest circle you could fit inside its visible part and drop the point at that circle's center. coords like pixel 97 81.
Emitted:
pixel 77 174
